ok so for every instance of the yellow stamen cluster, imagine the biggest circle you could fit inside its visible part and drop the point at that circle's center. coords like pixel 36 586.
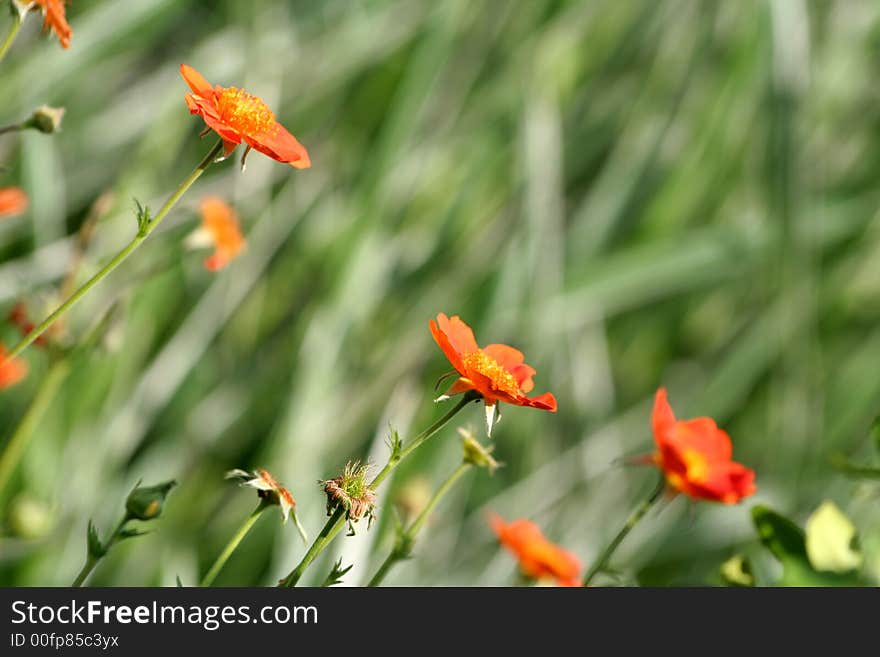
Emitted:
pixel 502 380
pixel 248 114
pixel 697 466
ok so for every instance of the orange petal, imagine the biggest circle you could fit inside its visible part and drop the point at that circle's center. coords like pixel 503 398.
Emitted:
pixel 506 356
pixel 13 201
pixel 461 385
pixel 12 370
pixel 512 360
pixel 195 80
pixel 228 147
pixel 662 419
pixel 443 341
pixel 460 335
pixel 546 402
pixel 703 435
pixel 282 146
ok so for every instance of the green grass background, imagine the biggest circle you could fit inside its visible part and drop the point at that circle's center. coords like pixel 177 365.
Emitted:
pixel 634 193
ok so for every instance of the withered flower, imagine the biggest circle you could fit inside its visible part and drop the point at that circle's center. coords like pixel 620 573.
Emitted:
pixel 352 492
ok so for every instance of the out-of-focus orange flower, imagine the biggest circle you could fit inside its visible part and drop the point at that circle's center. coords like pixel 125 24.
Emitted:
pixel 53 17
pixel 13 201
pixel 12 370
pixel 497 372
pixel 219 230
pixel 538 557
pixel 237 117
pixel 696 457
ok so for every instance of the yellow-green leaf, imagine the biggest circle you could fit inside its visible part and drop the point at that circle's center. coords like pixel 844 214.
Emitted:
pixel 830 541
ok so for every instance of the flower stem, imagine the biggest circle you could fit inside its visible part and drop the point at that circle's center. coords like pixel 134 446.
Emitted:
pixel 15 127
pixel 10 36
pixel 405 542
pixel 121 256
pixel 18 443
pixel 337 521
pixel 631 522
pixel 243 531
pixel 92 560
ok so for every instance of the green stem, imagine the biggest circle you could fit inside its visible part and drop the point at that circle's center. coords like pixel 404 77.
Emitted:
pixel 92 560
pixel 10 36
pixel 121 256
pixel 15 127
pixel 337 521
pixel 405 541
pixel 631 522
pixel 23 433
pixel 208 579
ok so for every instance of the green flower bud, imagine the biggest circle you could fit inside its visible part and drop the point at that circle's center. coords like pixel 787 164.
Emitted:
pixel 145 503
pixel 45 119
pixel 475 453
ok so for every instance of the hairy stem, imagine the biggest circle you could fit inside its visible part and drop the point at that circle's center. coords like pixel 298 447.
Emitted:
pixel 121 256
pixel 243 531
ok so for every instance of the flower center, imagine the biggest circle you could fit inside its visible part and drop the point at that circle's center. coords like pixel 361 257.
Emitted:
pixel 697 466
pixel 502 380
pixel 247 114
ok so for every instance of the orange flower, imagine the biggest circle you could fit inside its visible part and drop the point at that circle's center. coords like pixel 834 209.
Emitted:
pixel 220 230
pixel 497 372
pixel 12 370
pixel 237 117
pixel 53 18
pixel 13 201
pixel 538 557
pixel 695 456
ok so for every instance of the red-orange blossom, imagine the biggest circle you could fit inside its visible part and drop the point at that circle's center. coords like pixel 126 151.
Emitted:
pixel 696 457
pixel 497 372
pixel 237 116
pixel 538 557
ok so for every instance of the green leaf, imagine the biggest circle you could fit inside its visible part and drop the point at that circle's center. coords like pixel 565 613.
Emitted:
pixel 832 541
pixel 336 573
pixel 395 444
pixel 779 534
pixel 143 217
pixel 93 541
pixel 787 542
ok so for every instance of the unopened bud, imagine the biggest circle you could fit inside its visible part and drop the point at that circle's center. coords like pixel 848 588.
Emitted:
pixel 45 119
pixel 475 453
pixel 145 503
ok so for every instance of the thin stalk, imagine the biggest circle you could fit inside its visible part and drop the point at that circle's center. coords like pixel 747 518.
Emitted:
pixel 631 522
pixel 15 448
pixel 92 560
pixel 243 531
pixel 15 127
pixel 337 520
pixel 122 255
pixel 405 541
pixel 10 36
